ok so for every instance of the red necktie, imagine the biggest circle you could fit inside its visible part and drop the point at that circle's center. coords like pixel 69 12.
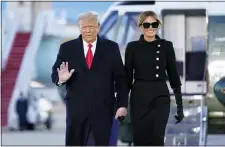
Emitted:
pixel 89 56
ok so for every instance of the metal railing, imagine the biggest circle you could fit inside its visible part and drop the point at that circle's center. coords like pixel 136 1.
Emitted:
pixel 193 129
pixel 204 124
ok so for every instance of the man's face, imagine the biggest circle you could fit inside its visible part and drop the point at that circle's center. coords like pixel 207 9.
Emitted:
pixel 89 29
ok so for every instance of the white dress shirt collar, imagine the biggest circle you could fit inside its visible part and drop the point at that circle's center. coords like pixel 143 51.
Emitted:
pixel 85 45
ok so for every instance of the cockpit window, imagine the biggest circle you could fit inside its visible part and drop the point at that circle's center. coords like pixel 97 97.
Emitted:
pixel 121 29
pixel 131 30
pixel 107 29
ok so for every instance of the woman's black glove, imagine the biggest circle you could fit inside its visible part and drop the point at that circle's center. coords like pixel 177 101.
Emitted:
pixel 178 97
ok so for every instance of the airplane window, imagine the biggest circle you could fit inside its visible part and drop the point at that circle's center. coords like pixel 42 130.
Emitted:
pixel 129 30
pixel 125 26
pixel 120 37
pixel 107 29
pixel 134 30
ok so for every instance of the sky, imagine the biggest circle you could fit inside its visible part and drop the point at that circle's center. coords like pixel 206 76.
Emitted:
pixel 73 9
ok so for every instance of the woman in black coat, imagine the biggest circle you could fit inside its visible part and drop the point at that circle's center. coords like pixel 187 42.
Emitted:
pixel 146 61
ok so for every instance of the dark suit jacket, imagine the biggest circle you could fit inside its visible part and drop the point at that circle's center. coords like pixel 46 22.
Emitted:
pixel 92 92
pixel 22 107
pixel 151 61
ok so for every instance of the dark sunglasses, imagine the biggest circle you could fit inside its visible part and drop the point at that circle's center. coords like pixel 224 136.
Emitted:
pixel 146 25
